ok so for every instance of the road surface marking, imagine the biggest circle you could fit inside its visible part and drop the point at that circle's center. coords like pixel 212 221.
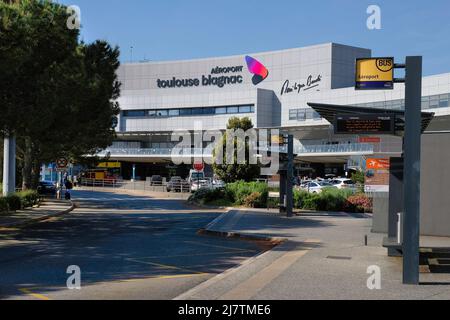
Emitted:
pixel 35 295
pixel 215 246
pixel 249 288
pixel 201 254
pixel 165 266
pixel 177 276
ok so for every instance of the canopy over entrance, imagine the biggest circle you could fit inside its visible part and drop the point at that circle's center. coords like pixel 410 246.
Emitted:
pixel 331 111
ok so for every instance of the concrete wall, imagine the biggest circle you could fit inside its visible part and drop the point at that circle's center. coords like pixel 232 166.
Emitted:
pixel 435 191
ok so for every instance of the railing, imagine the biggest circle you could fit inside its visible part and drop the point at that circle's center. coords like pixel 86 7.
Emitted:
pixel 188 152
pixel 155 152
pixel 336 148
pixel 152 186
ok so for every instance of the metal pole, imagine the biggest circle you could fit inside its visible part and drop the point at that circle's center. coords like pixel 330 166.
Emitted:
pixel 6 166
pixel 413 129
pixel 290 177
pixel 12 163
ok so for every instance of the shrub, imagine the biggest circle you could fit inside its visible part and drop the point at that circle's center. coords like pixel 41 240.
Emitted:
pixel 359 203
pixel 255 200
pixel 14 202
pixel 299 198
pixel 330 199
pixel 204 196
pixel 239 191
pixel 3 205
pixel 28 198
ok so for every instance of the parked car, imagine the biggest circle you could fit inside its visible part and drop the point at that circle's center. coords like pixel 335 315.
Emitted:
pixel 156 180
pixel 201 184
pixel 218 184
pixel 195 175
pixel 46 188
pixel 177 184
pixel 343 183
pixel 316 186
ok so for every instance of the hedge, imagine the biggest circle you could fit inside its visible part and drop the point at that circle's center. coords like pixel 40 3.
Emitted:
pixel 255 195
pixel 250 194
pixel 19 200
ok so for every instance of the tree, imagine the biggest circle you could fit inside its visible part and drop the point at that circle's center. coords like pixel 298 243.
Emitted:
pixel 56 95
pixel 235 172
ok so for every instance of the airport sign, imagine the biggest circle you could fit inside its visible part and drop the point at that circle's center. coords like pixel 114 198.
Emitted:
pixel 375 74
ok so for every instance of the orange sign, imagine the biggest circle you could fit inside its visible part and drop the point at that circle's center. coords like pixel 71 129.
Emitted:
pixel 377 164
pixel 369 140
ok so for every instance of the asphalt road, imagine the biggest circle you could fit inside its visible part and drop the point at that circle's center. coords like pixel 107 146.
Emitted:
pixel 127 247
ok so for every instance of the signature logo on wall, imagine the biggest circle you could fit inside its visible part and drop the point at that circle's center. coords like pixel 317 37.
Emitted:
pixel 258 69
pixel 297 87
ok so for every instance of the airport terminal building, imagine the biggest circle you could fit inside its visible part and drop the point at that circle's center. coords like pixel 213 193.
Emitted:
pixel 272 89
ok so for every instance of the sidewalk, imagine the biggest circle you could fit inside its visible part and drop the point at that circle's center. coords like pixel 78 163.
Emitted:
pixel 325 257
pixel 48 209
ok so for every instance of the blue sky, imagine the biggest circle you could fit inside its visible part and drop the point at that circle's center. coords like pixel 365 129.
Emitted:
pixel 184 29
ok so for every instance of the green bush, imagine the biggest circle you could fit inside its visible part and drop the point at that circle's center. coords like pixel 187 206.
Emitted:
pixel 255 200
pixel 299 198
pixel 14 202
pixel 255 195
pixel 28 198
pixel 330 199
pixel 205 196
pixel 3 205
pixel 252 194
pixel 239 191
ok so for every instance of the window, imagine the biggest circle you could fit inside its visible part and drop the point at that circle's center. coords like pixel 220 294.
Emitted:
pixel 197 111
pixel 152 113
pixel 232 110
pixel 185 112
pixel 443 101
pixel 221 110
pixel 174 113
pixel 301 115
pixel 134 113
pixel 293 114
pixel 434 102
pixel 245 109
pixel 208 111
pixel 162 113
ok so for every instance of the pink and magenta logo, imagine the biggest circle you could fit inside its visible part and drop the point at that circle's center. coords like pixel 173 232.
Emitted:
pixel 258 69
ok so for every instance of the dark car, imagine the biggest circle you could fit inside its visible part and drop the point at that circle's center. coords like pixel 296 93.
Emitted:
pixel 156 181
pixel 46 188
pixel 178 185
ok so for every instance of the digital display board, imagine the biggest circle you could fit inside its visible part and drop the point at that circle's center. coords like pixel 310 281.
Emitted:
pixel 365 124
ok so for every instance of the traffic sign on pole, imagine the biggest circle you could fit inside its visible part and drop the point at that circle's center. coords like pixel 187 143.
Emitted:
pixel 62 164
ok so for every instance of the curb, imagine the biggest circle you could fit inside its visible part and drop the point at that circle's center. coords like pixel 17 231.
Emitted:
pixel 199 288
pixel 204 206
pixel 241 236
pixel 40 219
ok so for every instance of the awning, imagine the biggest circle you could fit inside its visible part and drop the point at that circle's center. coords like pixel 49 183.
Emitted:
pixel 330 111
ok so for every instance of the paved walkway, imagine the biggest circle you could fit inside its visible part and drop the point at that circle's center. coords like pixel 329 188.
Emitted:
pixel 48 208
pixel 325 257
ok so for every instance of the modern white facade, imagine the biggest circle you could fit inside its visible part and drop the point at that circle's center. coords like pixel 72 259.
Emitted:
pixel 158 98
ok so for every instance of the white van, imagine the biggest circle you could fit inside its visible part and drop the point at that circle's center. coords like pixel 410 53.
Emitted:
pixel 195 175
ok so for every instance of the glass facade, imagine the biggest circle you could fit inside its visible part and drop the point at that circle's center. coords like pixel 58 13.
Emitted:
pixel 303 114
pixel 429 102
pixel 185 112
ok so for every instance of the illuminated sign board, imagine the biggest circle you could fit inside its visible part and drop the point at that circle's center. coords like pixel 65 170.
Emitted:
pixel 365 124
pixel 375 74
pixel 377 175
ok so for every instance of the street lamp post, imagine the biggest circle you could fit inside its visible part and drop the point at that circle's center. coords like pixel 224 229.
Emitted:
pixel 9 164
